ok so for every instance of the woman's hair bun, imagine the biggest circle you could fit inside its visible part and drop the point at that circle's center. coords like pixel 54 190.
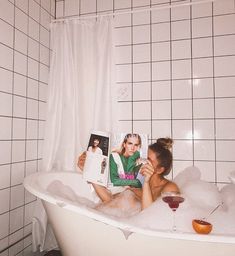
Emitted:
pixel 165 142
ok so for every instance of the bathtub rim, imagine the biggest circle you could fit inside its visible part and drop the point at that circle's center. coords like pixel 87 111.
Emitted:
pixel 30 183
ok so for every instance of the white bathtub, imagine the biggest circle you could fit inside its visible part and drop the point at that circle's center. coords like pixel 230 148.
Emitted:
pixel 81 231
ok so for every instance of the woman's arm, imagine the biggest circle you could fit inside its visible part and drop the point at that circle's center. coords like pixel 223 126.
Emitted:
pixel 147 197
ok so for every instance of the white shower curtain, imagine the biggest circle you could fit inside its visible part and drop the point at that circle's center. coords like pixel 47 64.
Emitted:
pixel 81 98
pixel 81 88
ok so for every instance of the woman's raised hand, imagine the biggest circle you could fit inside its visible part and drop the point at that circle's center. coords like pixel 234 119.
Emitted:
pixel 81 160
pixel 147 171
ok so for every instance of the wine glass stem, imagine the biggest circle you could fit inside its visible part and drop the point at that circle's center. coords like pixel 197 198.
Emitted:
pixel 174 226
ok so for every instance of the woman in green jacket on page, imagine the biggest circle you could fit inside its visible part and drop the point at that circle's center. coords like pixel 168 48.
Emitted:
pixel 123 163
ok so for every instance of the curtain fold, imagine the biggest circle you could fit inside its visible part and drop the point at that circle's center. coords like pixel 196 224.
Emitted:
pixel 81 97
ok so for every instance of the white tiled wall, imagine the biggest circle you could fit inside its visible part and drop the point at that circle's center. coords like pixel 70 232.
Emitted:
pixel 175 69
pixel 24 65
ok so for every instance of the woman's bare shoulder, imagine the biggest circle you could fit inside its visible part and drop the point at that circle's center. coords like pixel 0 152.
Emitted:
pixel 171 186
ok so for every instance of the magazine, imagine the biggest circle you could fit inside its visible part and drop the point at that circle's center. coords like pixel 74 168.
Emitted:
pixel 100 146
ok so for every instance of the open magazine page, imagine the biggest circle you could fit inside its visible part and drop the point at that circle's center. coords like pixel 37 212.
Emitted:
pixel 96 168
pixel 127 173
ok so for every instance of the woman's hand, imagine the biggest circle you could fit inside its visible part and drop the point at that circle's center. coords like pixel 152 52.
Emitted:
pixel 81 160
pixel 147 171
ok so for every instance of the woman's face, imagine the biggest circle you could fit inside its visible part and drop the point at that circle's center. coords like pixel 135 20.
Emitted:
pixel 131 146
pixel 154 161
pixel 96 143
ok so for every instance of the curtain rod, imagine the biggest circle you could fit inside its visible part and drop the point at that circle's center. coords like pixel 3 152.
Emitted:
pixel 159 7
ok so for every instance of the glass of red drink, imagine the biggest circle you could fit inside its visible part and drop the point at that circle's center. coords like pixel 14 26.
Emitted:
pixel 173 199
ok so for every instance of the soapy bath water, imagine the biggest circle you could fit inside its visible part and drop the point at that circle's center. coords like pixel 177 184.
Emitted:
pixel 200 198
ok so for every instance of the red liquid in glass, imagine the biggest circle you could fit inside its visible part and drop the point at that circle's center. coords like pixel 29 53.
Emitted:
pixel 173 201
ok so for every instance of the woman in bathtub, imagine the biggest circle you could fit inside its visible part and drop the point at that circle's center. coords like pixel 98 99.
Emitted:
pixel 158 165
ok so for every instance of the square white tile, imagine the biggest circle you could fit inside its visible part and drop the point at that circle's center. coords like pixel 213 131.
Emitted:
pixel 141 110
pixel 32 129
pixel 202 47
pixel 139 31
pixel 161 51
pixel 21 21
pixel 34 10
pixel 33 68
pixel 180 29
pixel 223 24
pixel 181 69
pixel 123 54
pixel 20 41
pixel 225 150
pixel 161 129
pixel 19 106
pixel 225 129
pixel 224 66
pixel 17 173
pixel 181 49
pixel 225 86
pixel 6 60
pixel 122 36
pixel 141 72
pixel 161 70
pixel 141 91
pixel 33 49
pixel 88 6
pixel 44 37
pixel 5 131
pixel 16 219
pixel 141 53
pixel 4 176
pixel 224 45
pixel 44 55
pixel 161 15
pixel 122 20
pixel 19 129
pixel 119 4
pixel 5 80
pixel 142 127
pixel 20 63
pixel 7 11
pixel 4 223
pixel 203 88
pixel 5 104
pixel 161 90
pixel 43 73
pixel 43 91
pixel 32 89
pixel 104 5
pixel 224 108
pixel 180 13
pixel 18 151
pixel 182 150
pixel 202 10
pixel 181 89
pixel 141 18
pixel 29 209
pixel 20 84
pixel 161 109
pixel 203 67
pixel 4 198
pixel 202 27
pixel 181 109
pixel 124 92
pixel 17 196
pixel 6 33
pixel 204 129
pixel 31 150
pixel 203 108
pixel 182 129
pixel 160 32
